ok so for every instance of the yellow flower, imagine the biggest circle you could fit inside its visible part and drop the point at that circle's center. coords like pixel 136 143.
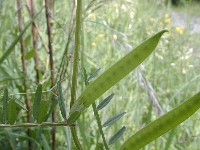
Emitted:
pixel 93 15
pixel 100 35
pixel 115 5
pixel 167 20
pixel 166 15
pixel 161 24
pixel 94 44
pixel 179 30
pixel 115 36
pixel 145 107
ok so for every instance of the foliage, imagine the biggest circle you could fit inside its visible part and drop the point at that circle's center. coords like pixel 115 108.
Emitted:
pixel 108 35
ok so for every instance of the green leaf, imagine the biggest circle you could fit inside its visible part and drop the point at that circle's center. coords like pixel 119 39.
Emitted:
pixel 12 112
pixel 5 105
pixel 114 119
pixel 61 100
pixel 85 77
pixel 37 100
pixel 72 118
pixel 117 135
pixel 53 105
pixel 115 73
pixel 105 102
pixel 93 75
pixel 42 111
pixel 20 104
pixel 163 124
pixel 11 48
pixel 30 54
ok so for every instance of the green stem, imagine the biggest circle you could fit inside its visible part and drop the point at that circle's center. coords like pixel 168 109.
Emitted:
pixel 28 125
pixel 99 125
pixel 75 138
pixel 76 50
pixel 75 68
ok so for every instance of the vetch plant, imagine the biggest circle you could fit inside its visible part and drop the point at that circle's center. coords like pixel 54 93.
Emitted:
pixel 72 113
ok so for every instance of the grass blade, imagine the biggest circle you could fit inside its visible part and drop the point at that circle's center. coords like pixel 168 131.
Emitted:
pixel 105 102
pixel 37 100
pixel 116 72
pixel 5 105
pixel 114 119
pixel 11 48
pixel 117 135
pixel 163 124
pixel 61 100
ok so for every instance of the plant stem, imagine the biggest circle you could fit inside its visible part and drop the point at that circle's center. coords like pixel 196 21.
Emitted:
pixel 99 125
pixel 49 10
pixel 28 125
pixel 34 37
pixel 27 101
pixel 75 67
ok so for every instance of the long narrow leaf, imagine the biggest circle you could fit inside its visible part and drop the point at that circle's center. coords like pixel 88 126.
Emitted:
pixel 12 112
pixel 105 102
pixel 5 105
pixel 11 48
pixel 42 111
pixel 93 75
pixel 61 100
pixel 37 100
pixel 117 135
pixel 116 72
pixel 163 124
pixel 114 119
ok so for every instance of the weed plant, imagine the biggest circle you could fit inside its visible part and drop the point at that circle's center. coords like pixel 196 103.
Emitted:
pixel 110 30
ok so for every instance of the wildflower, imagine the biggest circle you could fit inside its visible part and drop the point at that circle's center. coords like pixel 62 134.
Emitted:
pixel 167 20
pixel 161 24
pixel 100 35
pixel 93 15
pixel 94 44
pixel 145 107
pixel 114 5
pixel 179 30
pixel 166 15
pixel 115 36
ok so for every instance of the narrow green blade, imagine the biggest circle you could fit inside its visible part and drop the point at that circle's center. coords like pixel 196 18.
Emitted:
pixel 61 100
pixel 37 100
pixel 42 111
pixel 12 112
pixel 5 105
pixel 117 135
pixel 11 48
pixel 115 73
pixel 114 119
pixel 163 124
pixel 105 102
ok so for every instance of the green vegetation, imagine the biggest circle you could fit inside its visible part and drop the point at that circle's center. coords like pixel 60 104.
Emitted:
pixel 57 57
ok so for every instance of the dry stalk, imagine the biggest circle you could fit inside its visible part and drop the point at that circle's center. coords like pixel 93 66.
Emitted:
pixel 27 101
pixel 49 12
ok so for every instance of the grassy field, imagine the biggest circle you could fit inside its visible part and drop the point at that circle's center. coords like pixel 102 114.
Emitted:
pixel 110 29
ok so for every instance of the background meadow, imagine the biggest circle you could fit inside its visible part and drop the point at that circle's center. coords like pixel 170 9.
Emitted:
pixel 110 29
